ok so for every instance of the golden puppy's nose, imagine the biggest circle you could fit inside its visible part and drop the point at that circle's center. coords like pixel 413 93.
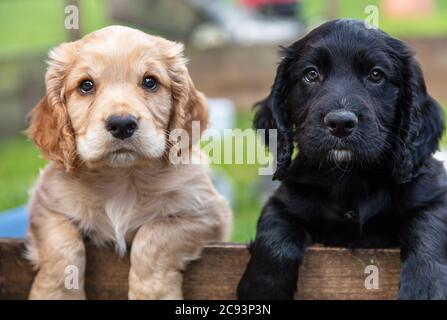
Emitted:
pixel 121 127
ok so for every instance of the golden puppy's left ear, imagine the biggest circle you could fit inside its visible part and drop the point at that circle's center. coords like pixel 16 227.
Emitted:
pixel 50 126
pixel 189 103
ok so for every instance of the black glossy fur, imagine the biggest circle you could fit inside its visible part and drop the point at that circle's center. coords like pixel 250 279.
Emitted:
pixel 391 192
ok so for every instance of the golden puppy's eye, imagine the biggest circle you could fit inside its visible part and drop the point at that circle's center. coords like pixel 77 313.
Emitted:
pixel 150 83
pixel 86 87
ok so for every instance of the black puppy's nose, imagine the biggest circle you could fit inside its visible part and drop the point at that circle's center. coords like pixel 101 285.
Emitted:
pixel 121 127
pixel 341 123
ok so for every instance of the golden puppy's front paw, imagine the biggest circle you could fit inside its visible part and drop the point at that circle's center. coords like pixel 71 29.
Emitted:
pixel 158 286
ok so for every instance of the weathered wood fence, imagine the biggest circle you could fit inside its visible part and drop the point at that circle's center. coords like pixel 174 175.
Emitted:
pixel 326 273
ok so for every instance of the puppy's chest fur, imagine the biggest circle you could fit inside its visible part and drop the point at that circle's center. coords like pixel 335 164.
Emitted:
pixel 344 209
pixel 110 207
pixel 115 213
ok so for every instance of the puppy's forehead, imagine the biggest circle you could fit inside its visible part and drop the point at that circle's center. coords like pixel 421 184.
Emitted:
pixel 118 41
pixel 347 36
pixel 345 42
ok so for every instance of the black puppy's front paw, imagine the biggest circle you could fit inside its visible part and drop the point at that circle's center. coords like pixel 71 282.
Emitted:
pixel 422 290
pixel 423 280
pixel 257 286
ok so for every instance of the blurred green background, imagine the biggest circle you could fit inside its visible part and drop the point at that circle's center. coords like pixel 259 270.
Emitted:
pixel 29 28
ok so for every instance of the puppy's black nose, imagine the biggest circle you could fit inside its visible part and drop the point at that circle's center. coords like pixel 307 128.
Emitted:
pixel 121 127
pixel 341 123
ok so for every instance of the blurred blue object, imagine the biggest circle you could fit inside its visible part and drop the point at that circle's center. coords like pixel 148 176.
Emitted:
pixel 14 222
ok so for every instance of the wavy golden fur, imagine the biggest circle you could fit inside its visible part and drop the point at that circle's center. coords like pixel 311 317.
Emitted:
pixel 123 192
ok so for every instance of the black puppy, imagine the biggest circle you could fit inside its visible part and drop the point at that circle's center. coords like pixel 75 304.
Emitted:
pixel 353 100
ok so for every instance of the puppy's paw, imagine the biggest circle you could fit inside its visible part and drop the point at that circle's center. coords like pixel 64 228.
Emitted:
pixel 423 290
pixel 423 280
pixel 255 286
pixel 155 286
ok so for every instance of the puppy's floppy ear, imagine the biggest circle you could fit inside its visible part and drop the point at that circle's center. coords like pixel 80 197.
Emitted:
pixel 189 104
pixel 420 119
pixel 271 113
pixel 50 126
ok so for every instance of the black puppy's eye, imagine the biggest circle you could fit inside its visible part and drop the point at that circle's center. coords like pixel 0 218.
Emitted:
pixel 86 86
pixel 376 75
pixel 311 75
pixel 150 83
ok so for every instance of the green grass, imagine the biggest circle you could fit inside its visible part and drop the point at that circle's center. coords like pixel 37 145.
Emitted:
pixel 36 25
pixel 247 204
pixel 19 166
pixel 315 11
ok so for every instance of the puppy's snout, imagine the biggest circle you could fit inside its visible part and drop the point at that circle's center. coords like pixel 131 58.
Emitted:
pixel 341 123
pixel 121 127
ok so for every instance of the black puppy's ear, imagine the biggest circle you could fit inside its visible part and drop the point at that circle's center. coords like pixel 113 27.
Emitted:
pixel 421 123
pixel 271 113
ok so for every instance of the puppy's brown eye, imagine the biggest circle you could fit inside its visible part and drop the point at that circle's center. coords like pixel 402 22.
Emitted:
pixel 86 86
pixel 150 83
pixel 376 75
pixel 311 75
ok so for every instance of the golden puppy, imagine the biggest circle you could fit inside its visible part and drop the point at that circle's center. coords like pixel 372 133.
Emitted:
pixel 112 99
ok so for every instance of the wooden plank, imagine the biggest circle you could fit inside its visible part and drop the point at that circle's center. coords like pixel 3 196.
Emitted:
pixel 326 273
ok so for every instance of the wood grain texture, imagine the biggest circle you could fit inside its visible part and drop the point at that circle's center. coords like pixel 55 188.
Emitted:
pixel 326 273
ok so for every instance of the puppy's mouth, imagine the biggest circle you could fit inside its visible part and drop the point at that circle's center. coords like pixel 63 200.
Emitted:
pixel 122 158
pixel 122 155
pixel 122 151
pixel 121 147
pixel 340 155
